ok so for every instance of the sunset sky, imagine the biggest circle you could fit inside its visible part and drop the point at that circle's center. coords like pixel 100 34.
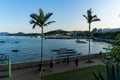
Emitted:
pixel 15 14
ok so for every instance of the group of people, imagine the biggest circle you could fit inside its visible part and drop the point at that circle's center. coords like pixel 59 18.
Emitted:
pixel 41 69
pixel 52 63
pixel 66 61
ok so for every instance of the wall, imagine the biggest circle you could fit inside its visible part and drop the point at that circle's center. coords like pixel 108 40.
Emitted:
pixel 46 62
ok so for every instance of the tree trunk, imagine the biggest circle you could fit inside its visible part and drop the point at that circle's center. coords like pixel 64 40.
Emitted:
pixel 42 35
pixel 89 42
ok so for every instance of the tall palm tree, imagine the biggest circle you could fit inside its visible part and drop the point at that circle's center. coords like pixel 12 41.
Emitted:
pixel 90 18
pixel 41 20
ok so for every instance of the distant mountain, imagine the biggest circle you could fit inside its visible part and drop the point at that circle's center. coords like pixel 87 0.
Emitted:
pixel 59 31
pixel 4 33
pixel 24 34
pixel 17 34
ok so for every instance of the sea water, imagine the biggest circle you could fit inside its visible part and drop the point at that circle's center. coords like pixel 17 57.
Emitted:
pixel 29 48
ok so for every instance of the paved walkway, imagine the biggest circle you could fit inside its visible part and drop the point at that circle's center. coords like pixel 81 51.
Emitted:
pixel 32 74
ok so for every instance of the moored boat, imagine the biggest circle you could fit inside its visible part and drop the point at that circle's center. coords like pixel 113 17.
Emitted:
pixel 64 51
pixel 54 50
pixel 79 41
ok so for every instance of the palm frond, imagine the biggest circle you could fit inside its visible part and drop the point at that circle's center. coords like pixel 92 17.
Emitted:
pixel 95 16
pixel 41 16
pixel 34 25
pixel 91 18
pixel 49 23
pixel 47 16
pixel 34 16
pixel 95 20
pixel 32 21
pixel 89 12
pixel 40 19
pixel 85 17
pixel 100 76
pixel 95 75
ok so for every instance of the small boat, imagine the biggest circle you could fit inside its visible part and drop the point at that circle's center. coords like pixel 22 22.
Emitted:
pixel 56 50
pixel 67 52
pixel 64 51
pixel 64 55
pixel 2 41
pixel 15 50
pixel 79 41
pixel 16 41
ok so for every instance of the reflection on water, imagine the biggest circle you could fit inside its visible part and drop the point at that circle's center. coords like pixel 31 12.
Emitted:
pixel 29 48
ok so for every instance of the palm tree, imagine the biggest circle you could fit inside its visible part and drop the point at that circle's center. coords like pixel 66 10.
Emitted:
pixel 41 20
pixel 90 18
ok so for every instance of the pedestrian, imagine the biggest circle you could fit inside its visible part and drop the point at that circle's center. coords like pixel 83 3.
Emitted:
pixel 51 64
pixel 100 53
pixel 76 62
pixel 64 60
pixel 40 69
pixel 67 59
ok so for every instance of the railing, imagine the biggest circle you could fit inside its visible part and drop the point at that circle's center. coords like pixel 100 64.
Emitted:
pixel 5 58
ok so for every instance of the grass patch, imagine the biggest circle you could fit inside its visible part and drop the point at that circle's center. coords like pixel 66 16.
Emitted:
pixel 79 74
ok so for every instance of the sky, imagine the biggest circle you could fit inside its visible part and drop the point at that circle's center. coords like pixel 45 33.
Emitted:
pixel 68 14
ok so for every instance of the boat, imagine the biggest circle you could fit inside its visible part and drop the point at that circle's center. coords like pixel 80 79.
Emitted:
pixel 15 50
pixel 64 51
pixel 56 50
pixel 79 41
pixel 67 52
pixel 64 55
pixel 2 41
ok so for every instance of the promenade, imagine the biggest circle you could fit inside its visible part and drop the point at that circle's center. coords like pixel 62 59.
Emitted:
pixel 33 74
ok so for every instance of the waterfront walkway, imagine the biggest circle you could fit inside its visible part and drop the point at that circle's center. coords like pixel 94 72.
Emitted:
pixel 32 74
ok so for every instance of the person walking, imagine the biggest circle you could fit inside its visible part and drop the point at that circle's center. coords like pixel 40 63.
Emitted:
pixel 76 62
pixel 67 59
pixel 64 60
pixel 40 68
pixel 51 64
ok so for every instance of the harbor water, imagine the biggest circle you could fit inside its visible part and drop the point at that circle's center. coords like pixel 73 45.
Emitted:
pixel 28 49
